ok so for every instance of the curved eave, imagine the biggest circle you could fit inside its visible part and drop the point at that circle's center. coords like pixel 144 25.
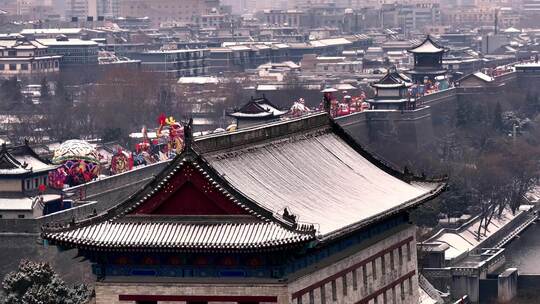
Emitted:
pixel 429 72
pixel 389 213
pixel 270 246
pixel 391 86
pixel 415 51
pixel 251 115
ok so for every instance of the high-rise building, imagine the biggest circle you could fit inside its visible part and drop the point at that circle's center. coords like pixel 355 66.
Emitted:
pixel 77 8
pixel 91 8
pixel 531 6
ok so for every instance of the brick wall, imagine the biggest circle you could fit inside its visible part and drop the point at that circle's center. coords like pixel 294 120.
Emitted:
pixel 371 275
pixel 108 293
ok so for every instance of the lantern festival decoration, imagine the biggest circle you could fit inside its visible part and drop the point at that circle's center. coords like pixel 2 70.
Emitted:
pixel 299 108
pixel 121 162
pixel 347 105
pixel 143 151
pixel 78 163
pixel 170 136
pixel 168 143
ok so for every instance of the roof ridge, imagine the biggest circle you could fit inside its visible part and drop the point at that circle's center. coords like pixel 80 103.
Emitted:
pixel 260 133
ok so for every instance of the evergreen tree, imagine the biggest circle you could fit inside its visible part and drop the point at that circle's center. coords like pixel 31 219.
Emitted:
pixel 463 113
pixel 62 96
pixel 497 118
pixel 10 91
pixel 36 283
pixel 45 90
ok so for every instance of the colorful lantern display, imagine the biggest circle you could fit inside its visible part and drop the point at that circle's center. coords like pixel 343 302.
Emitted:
pixel 78 164
pixel 121 162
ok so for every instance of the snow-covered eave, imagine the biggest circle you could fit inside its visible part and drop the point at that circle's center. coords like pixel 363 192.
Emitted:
pixel 251 115
pixel 426 71
pixel 413 203
pixel 247 247
pixel 427 51
pixel 391 85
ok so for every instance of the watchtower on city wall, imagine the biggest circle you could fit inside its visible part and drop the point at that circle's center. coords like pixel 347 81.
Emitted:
pixel 419 129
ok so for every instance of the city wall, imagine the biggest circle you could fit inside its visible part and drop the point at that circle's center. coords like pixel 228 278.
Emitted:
pixel 430 122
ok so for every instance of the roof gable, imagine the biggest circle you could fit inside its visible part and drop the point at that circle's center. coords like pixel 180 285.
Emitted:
pixel 252 107
pixel 189 193
pixel 390 79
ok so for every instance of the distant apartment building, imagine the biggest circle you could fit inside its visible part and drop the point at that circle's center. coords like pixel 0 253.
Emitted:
pixel 477 16
pixel 75 52
pixel 161 11
pixel 290 18
pixel 22 57
pixel 509 17
pixel 175 63
pixel 321 65
pixel 91 10
pixel 530 6
pixel 412 16
pixel 77 8
pixel 213 20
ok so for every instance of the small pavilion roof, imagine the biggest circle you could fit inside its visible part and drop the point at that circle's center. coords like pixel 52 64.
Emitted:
pixel 9 165
pixel 392 79
pixel 258 108
pixel 428 46
pixel 20 160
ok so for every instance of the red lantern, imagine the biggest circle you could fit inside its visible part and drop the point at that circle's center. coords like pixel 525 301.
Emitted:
pixel 42 188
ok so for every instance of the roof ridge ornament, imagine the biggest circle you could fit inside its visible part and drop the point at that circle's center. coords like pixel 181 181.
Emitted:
pixel 188 134
pixel 289 216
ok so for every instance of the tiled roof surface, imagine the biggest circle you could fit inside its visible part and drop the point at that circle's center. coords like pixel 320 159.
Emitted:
pixel 320 178
pixel 181 235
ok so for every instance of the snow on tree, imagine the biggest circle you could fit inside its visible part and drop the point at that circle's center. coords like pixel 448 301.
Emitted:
pixel 37 283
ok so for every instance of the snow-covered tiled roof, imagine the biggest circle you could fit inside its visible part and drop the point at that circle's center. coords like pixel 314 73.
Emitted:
pixel 258 108
pixel 144 233
pixel 319 177
pixel 16 204
pixel 9 165
pixel 21 159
